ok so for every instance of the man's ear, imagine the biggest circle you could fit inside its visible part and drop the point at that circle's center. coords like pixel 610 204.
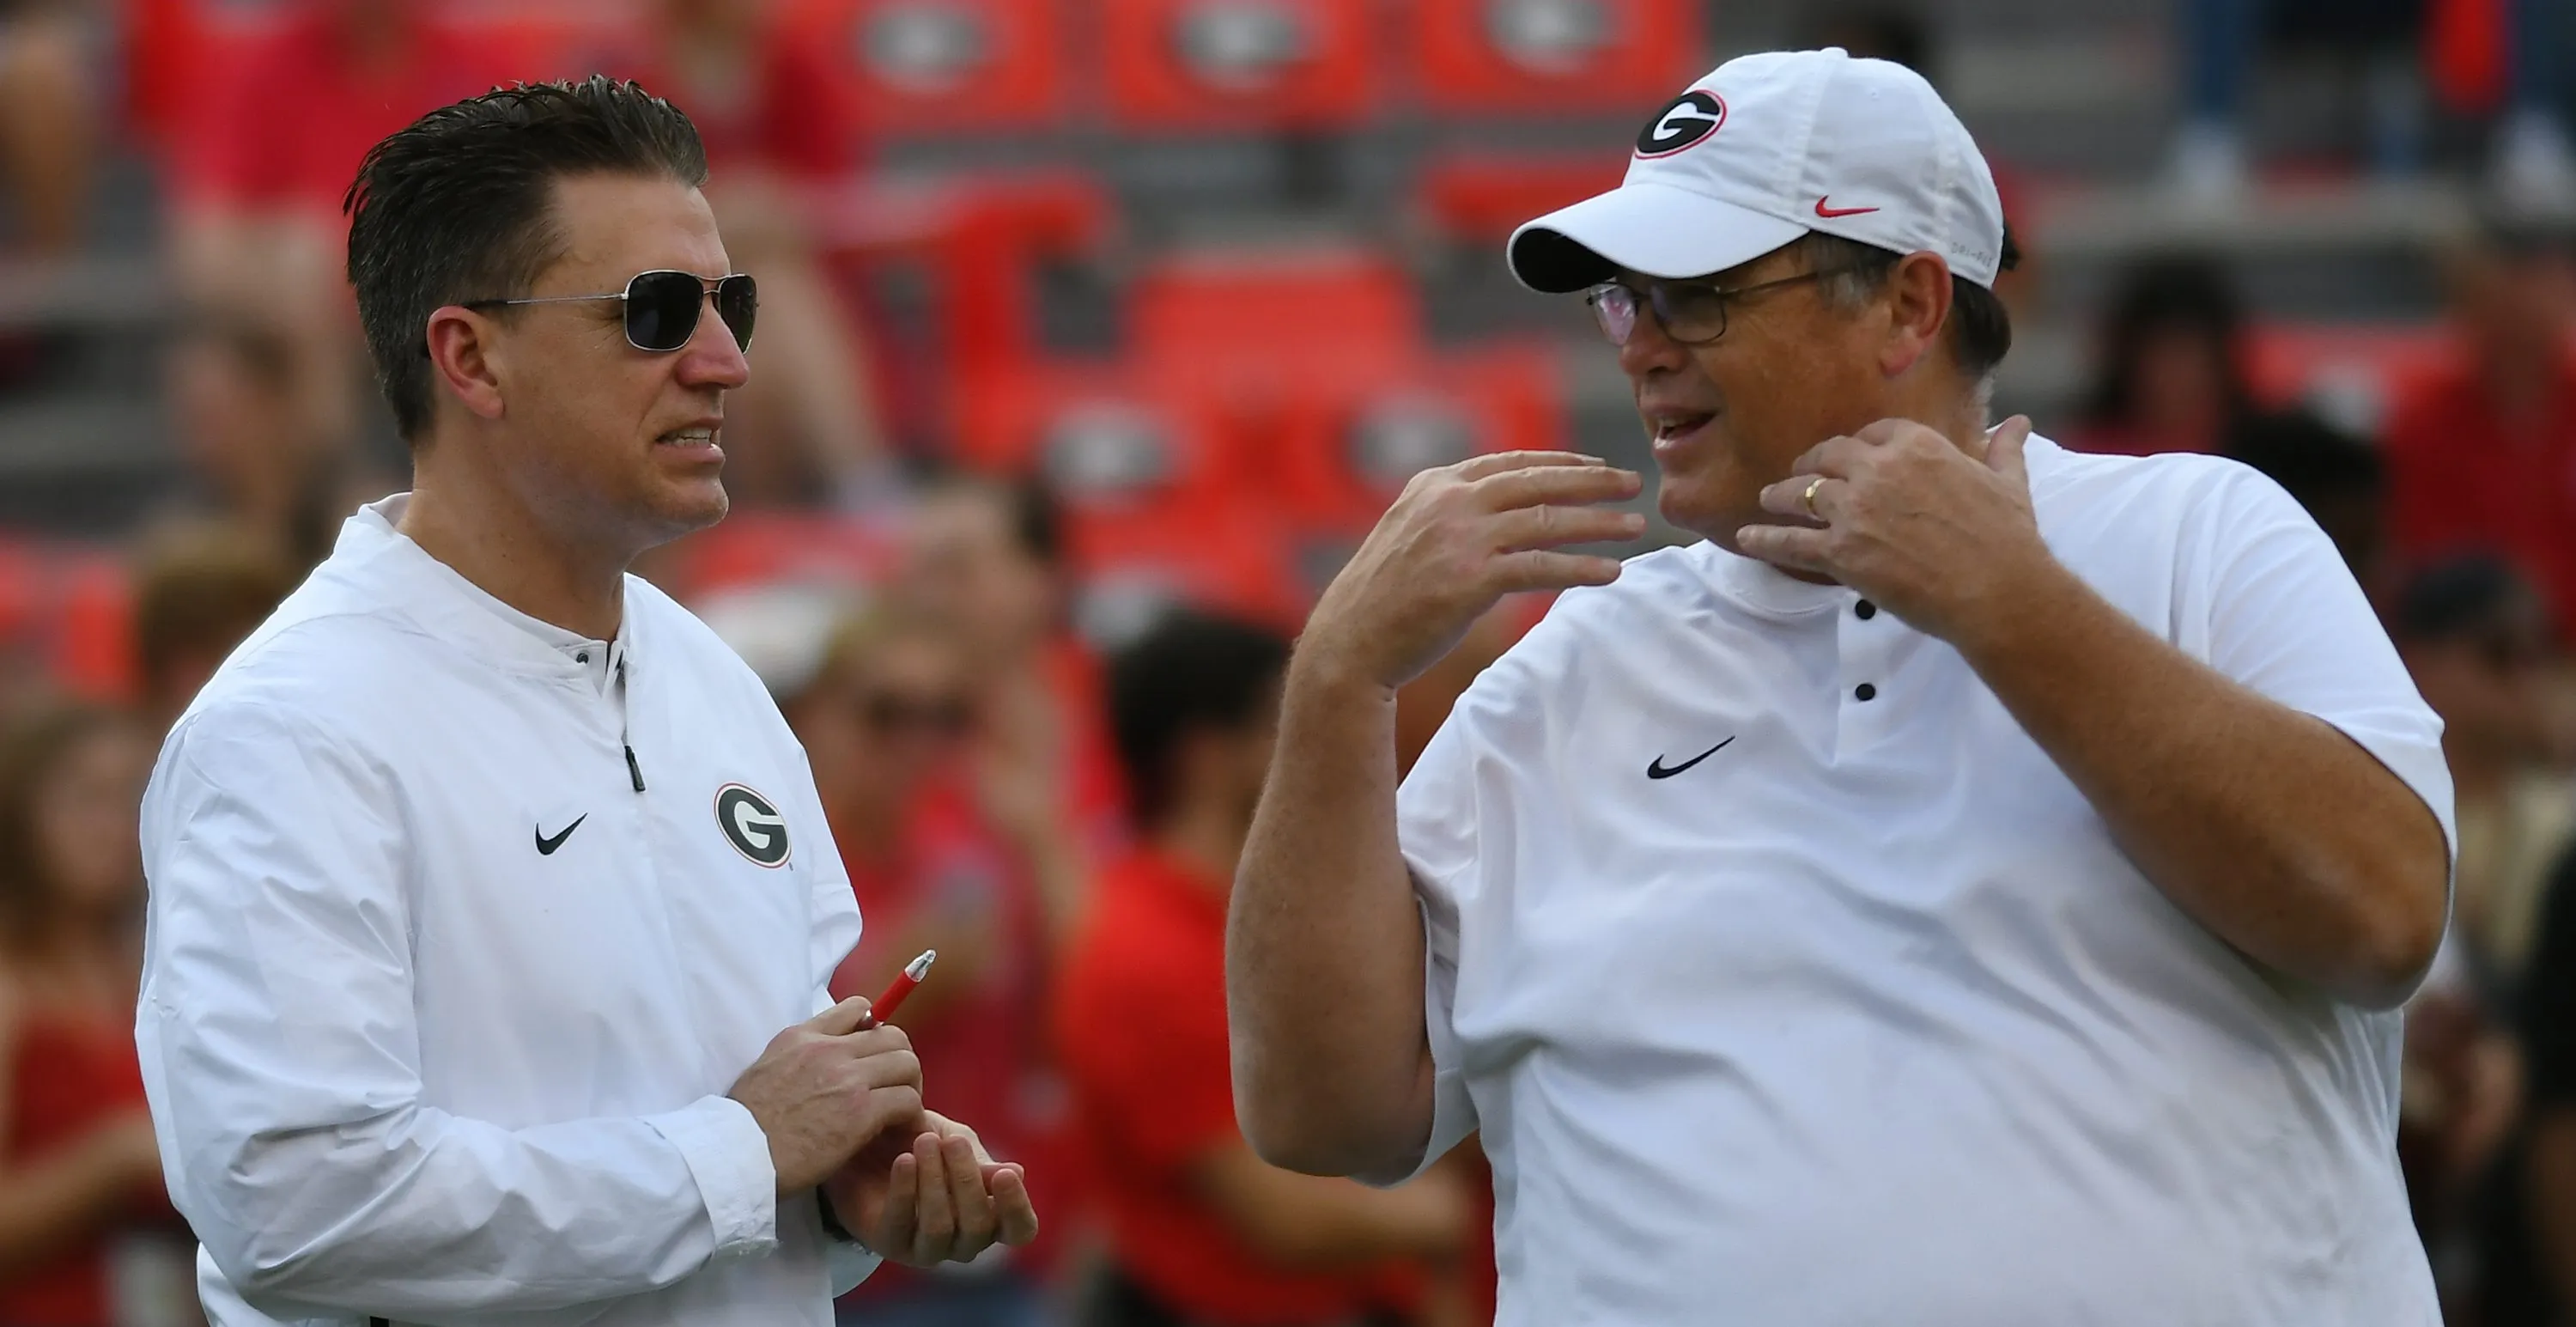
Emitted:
pixel 1918 308
pixel 462 358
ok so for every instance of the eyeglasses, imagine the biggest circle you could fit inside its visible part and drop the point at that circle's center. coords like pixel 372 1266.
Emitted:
pixel 1692 313
pixel 662 308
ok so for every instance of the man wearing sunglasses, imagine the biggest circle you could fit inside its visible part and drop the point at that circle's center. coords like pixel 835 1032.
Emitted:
pixel 1973 885
pixel 493 907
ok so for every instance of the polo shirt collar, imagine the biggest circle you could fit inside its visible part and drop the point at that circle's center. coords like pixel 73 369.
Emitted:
pixel 1766 590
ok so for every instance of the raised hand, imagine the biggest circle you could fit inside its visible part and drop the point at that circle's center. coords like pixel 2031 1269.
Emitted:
pixel 1939 533
pixel 1458 539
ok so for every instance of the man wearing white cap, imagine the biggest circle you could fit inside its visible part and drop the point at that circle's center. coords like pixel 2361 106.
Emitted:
pixel 1973 885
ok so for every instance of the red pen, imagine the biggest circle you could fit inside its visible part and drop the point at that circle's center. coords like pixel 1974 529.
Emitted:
pixel 884 1006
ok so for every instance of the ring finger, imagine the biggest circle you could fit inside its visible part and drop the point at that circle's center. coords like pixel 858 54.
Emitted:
pixel 1810 497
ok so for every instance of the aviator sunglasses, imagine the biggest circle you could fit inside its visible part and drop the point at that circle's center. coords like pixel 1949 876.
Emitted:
pixel 662 308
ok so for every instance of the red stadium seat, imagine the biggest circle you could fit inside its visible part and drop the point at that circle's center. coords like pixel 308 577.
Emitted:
pixel 1349 448
pixel 982 240
pixel 763 547
pixel 943 67
pixel 1552 57
pixel 1112 442
pixel 1234 560
pixel 2355 367
pixel 1478 199
pixel 1198 65
pixel 1252 330
pixel 93 637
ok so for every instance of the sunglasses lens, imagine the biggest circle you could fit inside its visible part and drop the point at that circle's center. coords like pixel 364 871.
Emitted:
pixel 738 303
pixel 662 309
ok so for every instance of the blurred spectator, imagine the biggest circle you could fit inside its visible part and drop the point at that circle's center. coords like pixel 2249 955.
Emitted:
pixel 2482 452
pixel 1202 1232
pixel 780 133
pixel 260 168
pixel 880 700
pixel 2392 42
pixel 48 124
pixel 2477 639
pixel 987 560
pixel 246 431
pixel 2545 1187
pixel 199 593
pixel 78 1163
pixel 2479 642
pixel 2535 159
pixel 2220 42
pixel 2337 477
pixel 2170 373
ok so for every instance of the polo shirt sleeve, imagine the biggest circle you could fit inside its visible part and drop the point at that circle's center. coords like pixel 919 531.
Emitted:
pixel 1436 814
pixel 279 1044
pixel 2263 597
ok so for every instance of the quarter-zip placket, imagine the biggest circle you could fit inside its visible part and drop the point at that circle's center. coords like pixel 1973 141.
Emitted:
pixel 625 731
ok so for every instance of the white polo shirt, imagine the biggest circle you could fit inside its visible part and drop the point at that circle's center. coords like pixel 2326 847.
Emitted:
pixel 1861 1018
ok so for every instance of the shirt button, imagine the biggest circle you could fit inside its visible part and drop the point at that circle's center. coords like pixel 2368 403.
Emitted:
pixel 583 657
pixel 1865 610
pixel 1865 692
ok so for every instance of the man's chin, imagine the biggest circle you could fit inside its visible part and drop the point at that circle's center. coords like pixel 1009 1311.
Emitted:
pixel 687 509
pixel 1686 505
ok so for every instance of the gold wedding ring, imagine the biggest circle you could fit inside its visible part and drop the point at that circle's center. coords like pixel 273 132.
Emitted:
pixel 1812 485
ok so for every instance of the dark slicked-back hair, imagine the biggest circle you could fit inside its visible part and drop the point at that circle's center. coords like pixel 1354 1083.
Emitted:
pixel 458 206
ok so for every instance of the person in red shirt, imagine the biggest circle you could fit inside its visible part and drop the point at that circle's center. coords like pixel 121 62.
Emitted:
pixel 2482 450
pixel 78 1165
pixel 880 700
pixel 988 560
pixel 1202 1232
pixel 263 155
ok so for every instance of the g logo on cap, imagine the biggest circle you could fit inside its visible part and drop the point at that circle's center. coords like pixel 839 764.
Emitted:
pixel 1683 122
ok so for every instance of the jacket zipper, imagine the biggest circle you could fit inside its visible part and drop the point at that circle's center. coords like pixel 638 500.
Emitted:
pixel 634 772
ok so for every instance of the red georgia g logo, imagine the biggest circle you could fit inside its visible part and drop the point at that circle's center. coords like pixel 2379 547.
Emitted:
pixel 1690 117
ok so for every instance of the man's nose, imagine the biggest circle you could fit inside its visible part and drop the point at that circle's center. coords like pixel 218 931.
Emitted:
pixel 1648 348
pixel 712 358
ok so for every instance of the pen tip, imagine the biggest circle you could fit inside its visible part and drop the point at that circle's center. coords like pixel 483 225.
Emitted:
pixel 920 967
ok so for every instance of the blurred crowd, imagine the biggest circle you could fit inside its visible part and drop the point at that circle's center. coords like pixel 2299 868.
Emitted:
pixel 1060 817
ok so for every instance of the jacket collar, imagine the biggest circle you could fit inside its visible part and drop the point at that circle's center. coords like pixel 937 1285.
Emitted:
pixel 400 577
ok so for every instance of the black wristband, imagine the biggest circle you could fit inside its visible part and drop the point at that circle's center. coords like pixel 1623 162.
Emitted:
pixel 832 1221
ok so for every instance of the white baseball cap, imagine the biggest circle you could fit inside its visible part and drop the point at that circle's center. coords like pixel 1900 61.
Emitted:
pixel 1766 148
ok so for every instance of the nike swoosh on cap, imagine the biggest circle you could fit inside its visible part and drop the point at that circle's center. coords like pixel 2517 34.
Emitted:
pixel 1829 213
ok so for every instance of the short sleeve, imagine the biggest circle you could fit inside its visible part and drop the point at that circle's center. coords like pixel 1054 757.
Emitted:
pixel 1436 829
pixel 2269 603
